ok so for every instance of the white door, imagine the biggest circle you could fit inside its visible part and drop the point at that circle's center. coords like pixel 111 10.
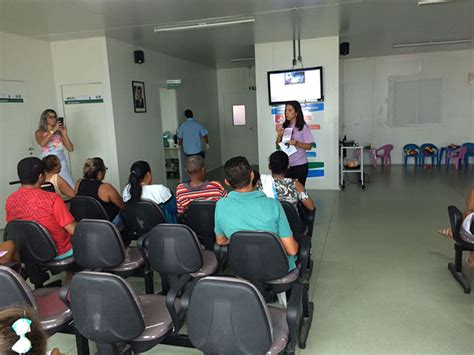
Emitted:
pixel 241 139
pixel 84 117
pixel 16 137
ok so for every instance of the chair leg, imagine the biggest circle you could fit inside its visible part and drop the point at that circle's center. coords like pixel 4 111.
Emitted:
pixel 308 311
pixel 113 349
pixel 82 344
pixel 149 286
pixel 456 270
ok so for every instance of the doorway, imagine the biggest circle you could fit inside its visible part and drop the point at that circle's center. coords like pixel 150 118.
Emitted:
pixel 169 123
pixel 240 127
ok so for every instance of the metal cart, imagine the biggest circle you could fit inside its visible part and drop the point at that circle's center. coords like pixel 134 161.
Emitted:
pixel 358 170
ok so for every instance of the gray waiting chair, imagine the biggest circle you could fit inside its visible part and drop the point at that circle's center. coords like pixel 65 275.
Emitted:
pixel 98 246
pixel 229 316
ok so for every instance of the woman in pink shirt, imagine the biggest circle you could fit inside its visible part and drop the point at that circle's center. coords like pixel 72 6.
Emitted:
pixel 301 139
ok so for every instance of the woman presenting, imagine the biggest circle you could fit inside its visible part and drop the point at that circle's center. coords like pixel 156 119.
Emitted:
pixel 53 138
pixel 301 139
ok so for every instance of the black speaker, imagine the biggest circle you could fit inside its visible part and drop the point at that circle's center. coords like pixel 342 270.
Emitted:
pixel 344 48
pixel 139 57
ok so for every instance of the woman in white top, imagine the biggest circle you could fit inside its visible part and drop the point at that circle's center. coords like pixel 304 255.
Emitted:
pixel 52 166
pixel 140 187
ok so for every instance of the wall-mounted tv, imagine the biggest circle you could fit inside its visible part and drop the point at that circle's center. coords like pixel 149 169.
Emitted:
pixel 302 85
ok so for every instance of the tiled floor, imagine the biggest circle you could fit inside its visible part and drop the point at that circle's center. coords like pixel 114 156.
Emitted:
pixel 381 283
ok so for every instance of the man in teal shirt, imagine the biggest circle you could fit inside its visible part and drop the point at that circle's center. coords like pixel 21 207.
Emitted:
pixel 247 210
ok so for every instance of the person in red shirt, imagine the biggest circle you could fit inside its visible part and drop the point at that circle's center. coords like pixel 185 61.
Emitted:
pixel 198 188
pixel 31 203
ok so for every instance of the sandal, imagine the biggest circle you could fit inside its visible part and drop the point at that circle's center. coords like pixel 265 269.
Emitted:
pixel 447 232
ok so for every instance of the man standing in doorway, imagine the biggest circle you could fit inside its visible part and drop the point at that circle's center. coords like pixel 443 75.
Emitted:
pixel 191 134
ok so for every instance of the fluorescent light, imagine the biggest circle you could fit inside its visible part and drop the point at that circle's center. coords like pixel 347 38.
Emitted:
pixel 432 2
pixel 237 60
pixel 431 43
pixel 204 25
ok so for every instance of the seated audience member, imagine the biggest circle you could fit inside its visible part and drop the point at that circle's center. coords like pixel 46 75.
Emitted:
pixel 13 324
pixel 8 253
pixel 245 209
pixel 140 187
pixel 91 185
pixel 447 232
pixel 198 188
pixel 281 187
pixel 31 203
pixel 52 167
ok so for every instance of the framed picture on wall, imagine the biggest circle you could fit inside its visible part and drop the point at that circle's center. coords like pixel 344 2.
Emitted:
pixel 139 100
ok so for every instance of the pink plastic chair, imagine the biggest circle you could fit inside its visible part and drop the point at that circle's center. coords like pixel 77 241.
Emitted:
pixel 458 155
pixel 384 153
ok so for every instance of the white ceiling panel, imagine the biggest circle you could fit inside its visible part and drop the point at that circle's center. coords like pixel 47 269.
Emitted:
pixel 371 26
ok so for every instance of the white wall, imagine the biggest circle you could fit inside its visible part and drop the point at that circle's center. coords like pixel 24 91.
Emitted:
pixel 84 61
pixel 30 61
pixel 316 52
pixel 139 135
pixel 233 81
pixel 27 60
pixel 366 90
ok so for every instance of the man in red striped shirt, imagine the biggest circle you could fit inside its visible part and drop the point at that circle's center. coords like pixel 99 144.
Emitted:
pixel 198 188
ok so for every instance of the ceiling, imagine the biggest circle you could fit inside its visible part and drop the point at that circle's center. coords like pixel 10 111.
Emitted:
pixel 371 26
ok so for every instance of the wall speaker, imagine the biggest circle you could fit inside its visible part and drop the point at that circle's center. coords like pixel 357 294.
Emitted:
pixel 139 57
pixel 344 48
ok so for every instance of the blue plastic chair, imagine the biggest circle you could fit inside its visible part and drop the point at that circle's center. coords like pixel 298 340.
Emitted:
pixel 469 153
pixel 408 147
pixel 423 154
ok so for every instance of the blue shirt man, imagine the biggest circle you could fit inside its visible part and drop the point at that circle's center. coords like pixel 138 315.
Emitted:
pixel 191 134
pixel 246 209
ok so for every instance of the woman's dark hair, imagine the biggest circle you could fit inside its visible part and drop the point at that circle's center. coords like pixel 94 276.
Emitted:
pixel 138 171
pixel 278 162
pixel 299 115
pixel 8 337
pixel 92 168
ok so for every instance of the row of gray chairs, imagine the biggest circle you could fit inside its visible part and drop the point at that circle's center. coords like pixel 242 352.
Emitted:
pixel 174 251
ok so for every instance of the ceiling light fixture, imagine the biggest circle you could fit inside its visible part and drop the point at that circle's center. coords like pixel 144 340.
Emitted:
pixel 238 60
pixel 431 43
pixel 204 24
pixel 432 2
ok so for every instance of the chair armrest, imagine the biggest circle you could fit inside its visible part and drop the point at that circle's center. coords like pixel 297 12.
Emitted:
pixel 64 295
pixel 294 314
pixel 221 252
pixel 304 256
pixel 177 316
pixel 142 245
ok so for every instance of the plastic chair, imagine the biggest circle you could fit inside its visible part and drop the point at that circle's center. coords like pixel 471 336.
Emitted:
pixel 200 218
pixel 107 311
pixel 384 153
pixel 458 155
pixel 98 246
pixel 86 207
pixel 140 217
pixel 460 245
pixel 428 150
pixel 37 251
pixel 229 316
pixel 469 153
pixel 260 258
pixel 408 150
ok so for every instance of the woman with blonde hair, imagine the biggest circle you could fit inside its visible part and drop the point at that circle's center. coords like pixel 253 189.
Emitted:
pixel 52 137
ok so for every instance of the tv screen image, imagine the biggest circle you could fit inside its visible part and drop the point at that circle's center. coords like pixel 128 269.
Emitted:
pixel 303 85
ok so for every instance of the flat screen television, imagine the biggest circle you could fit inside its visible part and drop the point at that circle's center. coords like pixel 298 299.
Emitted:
pixel 302 85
